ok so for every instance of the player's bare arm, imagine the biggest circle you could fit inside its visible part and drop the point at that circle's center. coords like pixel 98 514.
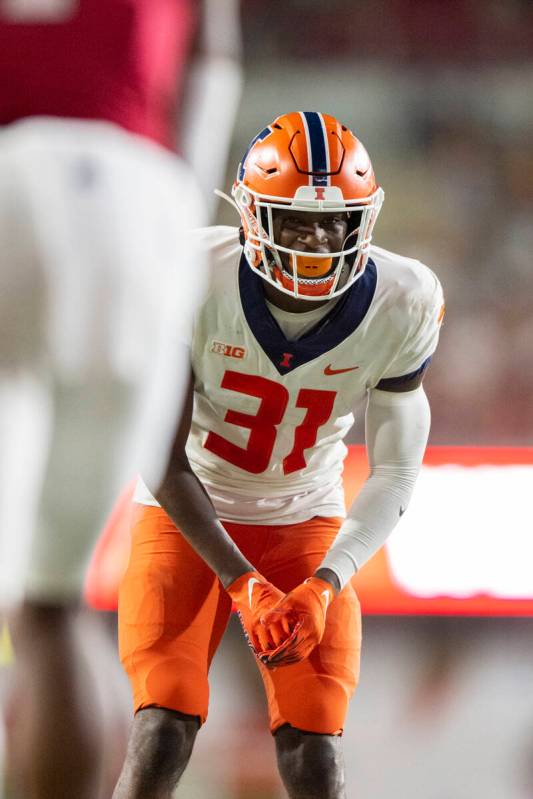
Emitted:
pixel 186 501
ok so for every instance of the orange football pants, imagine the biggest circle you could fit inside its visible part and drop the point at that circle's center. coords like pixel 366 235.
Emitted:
pixel 173 612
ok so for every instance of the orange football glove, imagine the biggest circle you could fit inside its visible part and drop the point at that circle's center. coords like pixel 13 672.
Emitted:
pixel 303 612
pixel 254 596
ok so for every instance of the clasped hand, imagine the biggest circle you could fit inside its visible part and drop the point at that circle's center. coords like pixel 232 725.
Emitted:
pixel 281 628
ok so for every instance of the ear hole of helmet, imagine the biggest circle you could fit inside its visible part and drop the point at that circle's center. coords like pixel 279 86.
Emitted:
pixel 243 198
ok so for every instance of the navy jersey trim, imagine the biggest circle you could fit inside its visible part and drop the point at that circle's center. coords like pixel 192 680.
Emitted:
pixel 329 332
pixel 388 383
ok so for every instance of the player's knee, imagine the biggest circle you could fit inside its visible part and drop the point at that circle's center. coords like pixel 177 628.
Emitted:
pixel 41 621
pixel 311 765
pixel 161 740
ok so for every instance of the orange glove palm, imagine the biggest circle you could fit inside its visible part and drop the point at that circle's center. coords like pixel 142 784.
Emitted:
pixel 254 596
pixel 303 612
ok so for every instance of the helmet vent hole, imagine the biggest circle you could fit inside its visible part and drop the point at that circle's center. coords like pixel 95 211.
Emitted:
pixel 344 128
pixel 268 172
pixel 278 127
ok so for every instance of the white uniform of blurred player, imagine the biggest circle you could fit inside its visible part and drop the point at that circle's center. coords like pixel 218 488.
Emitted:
pixel 89 236
pixel 93 209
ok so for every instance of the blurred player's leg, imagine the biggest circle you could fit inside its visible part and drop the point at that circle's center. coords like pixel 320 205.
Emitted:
pixel 92 374
pixel 55 728
pixel 56 719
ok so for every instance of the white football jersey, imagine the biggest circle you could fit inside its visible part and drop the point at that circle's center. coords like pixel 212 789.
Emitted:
pixel 92 377
pixel 270 414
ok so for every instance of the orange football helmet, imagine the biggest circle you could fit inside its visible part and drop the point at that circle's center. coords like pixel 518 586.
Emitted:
pixel 307 161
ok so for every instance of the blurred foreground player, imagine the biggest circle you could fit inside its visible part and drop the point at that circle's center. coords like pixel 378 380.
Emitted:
pixel 92 210
pixel 304 319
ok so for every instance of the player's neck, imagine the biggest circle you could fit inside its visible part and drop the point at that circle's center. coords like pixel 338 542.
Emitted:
pixel 288 303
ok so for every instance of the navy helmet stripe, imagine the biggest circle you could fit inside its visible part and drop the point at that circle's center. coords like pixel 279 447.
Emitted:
pixel 260 136
pixel 318 155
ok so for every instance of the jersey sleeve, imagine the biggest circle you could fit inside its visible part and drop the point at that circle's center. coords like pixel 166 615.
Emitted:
pixel 425 311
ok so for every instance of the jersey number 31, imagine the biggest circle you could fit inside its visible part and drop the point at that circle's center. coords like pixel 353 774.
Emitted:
pixel 263 425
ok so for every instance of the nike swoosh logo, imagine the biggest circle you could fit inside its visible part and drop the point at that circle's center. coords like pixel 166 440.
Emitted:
pixel 325 594
pixel 251 583
pixel 329 371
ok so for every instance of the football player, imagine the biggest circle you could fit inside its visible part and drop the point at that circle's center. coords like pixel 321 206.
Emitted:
pixel 304 319
pixel 93 205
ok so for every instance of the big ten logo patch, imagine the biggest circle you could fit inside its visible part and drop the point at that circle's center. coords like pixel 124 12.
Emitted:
pixel 230 350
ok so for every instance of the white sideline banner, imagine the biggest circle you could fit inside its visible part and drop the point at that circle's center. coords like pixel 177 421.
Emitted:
pixel 468 531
